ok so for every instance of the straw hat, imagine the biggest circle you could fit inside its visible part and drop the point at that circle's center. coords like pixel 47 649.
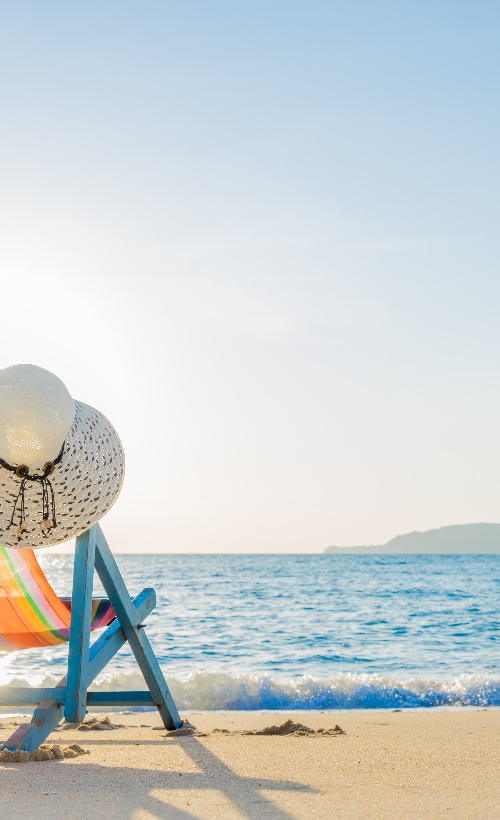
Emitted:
pixel 61 461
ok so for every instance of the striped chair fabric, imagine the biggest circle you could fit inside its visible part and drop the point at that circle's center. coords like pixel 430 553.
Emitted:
pixel 31 614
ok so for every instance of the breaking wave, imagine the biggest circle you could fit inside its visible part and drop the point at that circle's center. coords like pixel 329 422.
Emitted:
pixel 207 691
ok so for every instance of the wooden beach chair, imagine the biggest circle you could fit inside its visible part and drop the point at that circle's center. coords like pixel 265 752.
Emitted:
pixel 32 615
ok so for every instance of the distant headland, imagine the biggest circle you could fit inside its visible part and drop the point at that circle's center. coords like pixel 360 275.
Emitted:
pixel 458 538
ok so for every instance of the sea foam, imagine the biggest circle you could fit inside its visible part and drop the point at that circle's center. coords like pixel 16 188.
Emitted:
pixel 207 691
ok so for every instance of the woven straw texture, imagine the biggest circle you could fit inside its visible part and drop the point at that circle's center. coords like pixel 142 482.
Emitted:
pixel 86 484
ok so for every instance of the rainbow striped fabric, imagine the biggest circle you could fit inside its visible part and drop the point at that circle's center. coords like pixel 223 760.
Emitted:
pixel 31 614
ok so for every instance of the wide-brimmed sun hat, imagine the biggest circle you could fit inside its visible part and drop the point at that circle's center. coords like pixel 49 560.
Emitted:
pixel 61 461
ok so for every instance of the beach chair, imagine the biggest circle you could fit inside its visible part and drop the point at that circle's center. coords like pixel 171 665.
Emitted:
pixel 32 615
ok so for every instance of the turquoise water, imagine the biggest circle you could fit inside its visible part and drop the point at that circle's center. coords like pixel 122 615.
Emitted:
pixel 307 631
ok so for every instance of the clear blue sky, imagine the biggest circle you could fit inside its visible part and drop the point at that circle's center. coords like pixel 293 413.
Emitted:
pixel 262 238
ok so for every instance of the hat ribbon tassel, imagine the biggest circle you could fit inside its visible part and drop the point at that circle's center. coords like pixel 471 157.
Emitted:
pixel 48 505
pixel 48 521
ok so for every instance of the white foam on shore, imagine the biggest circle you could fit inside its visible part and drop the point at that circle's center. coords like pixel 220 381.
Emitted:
pixel 207 691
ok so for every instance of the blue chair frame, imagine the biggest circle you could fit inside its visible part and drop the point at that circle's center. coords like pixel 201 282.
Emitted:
pixel 70 697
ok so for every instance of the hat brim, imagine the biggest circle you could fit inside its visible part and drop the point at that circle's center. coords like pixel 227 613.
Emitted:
pixel 86 484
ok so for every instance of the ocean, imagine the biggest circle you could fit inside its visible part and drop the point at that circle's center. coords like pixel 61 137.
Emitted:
pixel 304 631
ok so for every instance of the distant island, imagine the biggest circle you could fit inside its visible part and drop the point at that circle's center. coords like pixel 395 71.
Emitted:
pixel 458 538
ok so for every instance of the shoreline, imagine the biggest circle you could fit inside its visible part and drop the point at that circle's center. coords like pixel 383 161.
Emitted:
pixel 412 763
pixel 286 713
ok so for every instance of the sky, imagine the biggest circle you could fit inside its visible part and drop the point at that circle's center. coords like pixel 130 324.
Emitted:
pixel 262 238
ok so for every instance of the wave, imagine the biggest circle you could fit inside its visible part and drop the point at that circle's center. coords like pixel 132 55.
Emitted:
pixel 209 691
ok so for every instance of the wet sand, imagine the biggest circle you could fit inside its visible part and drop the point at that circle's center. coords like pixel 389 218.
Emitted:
pixel 386 765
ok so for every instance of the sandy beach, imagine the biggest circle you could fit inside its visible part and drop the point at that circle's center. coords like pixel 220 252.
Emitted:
pixel 387 764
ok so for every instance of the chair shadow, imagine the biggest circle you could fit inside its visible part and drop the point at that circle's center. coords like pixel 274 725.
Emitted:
pixel 133 787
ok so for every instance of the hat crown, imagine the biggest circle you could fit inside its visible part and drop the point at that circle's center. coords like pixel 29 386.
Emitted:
pixel 36 415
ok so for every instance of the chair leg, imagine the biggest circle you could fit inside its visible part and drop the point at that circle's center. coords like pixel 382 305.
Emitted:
pixel 29 736
pixel 120 600
pixel 79 635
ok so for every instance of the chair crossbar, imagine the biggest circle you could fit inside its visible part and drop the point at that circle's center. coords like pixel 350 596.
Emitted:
pixel 19 696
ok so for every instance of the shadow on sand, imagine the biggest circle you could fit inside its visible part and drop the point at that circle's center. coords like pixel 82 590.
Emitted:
pixel 126 792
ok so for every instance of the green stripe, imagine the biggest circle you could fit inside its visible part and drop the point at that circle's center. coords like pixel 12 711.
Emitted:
pixel 51 627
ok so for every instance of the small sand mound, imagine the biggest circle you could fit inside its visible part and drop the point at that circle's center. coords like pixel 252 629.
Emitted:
pixel 288 729
pixel 46 751
pixel 93 724
pixel 296 730
pixel 186 730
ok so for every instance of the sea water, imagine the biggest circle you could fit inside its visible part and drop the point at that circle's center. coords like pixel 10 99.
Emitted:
pixel 304 631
